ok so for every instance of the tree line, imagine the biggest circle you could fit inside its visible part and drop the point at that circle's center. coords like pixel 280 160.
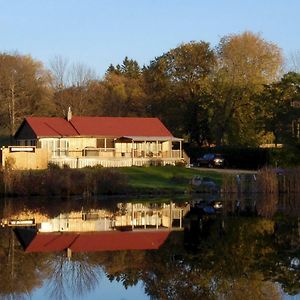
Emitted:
pixel 233 94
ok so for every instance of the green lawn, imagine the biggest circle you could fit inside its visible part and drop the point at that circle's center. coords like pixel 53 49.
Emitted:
pixel 164 178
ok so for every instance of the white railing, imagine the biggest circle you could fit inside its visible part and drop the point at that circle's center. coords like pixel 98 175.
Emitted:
pixel 81 162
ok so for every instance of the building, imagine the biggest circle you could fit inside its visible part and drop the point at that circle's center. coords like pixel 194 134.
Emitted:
pixel 81 141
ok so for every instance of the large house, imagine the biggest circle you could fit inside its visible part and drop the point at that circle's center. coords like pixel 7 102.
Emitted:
pixel 79 141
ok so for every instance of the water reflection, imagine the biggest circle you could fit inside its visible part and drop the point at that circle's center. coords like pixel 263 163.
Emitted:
pixel 78 276
pixel 189 249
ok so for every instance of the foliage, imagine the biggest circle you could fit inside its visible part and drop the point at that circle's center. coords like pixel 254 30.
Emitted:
pixel 177 86
pixel 287 156
pixel 228 95
pixel 24 90
pixel 279 110
pixel 246 62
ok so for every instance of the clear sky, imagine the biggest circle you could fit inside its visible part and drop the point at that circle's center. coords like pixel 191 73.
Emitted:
pixel 100 32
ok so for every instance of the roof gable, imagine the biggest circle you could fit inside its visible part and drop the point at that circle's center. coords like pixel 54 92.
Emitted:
pixel 25 132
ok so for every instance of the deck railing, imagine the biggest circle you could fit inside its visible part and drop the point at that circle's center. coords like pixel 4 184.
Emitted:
pixel 81 162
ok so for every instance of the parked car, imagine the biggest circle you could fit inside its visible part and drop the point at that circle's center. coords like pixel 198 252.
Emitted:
pixel 211 160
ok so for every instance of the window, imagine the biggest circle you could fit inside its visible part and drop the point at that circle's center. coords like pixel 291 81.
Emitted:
pixel 110 143
pixel 58 147
pixel 26 142
pixel 100 143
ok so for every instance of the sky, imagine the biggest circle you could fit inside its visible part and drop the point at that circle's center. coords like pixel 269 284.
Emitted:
pixel 98 33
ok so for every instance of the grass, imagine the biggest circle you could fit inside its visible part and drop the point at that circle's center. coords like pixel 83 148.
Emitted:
pixel 164 178
pixel 93 181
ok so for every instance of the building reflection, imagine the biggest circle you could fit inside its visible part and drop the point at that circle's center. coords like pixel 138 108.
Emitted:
pixel 128 226
pixel 126 216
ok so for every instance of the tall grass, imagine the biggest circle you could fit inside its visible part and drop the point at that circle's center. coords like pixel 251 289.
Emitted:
pixel 62 182
pixel 267 187
pixel 267 181
pixel 229 184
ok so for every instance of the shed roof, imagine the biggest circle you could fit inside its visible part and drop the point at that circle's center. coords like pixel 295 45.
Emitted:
pixel 97 126
pixel 98 241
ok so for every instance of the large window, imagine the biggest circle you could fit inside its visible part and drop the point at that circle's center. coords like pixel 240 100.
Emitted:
pixel 57 147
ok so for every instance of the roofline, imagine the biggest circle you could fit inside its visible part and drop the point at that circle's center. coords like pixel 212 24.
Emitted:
pixel 135 138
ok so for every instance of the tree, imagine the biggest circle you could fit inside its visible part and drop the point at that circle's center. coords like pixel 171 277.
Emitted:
pixel 59 71
pixel 71 86
pixel 81 75
pixel 122 92
pixel 246 62
pixel 129 68
pixel 279 108
pixel 177 85
pixel 24 90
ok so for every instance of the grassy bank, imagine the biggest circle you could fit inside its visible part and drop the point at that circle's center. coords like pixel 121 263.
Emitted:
pixel 93 181
pixel 167 178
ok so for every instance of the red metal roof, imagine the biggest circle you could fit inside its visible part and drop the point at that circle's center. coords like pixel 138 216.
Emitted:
pixel 97 126
pixel 51 126
pixel 99 241
pixel 119 126
pixel 50 242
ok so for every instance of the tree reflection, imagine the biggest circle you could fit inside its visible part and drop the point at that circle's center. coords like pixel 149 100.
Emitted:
pixel 223 256
pixel 227 264
pixel 74 277
pixel 20 273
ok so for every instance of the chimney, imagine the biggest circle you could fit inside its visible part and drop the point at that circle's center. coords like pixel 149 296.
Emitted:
pixel 69 114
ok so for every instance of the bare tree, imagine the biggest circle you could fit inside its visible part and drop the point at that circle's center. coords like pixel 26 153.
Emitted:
pixel 80 74
pixel 59 70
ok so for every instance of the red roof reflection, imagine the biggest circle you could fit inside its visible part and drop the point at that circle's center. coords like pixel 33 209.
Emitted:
pixel 99 241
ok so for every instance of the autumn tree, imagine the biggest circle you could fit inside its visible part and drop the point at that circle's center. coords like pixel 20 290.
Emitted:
pixel 177 87
pixel 246 62
pixel 122 92
pixel 24 90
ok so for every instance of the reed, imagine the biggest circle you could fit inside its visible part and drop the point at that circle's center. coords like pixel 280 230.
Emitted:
pixel 267 181
pixel 229 184
pixel 62 182
pixel 289 181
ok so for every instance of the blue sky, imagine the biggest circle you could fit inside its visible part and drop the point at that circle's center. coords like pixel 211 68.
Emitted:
pixel 100 32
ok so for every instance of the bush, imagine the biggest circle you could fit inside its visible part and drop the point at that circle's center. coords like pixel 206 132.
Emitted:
pixel 287 156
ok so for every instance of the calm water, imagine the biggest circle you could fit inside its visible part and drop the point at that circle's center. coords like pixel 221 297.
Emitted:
pixel 202 248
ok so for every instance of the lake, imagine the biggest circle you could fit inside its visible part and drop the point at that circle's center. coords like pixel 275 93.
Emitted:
pixel 205 247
